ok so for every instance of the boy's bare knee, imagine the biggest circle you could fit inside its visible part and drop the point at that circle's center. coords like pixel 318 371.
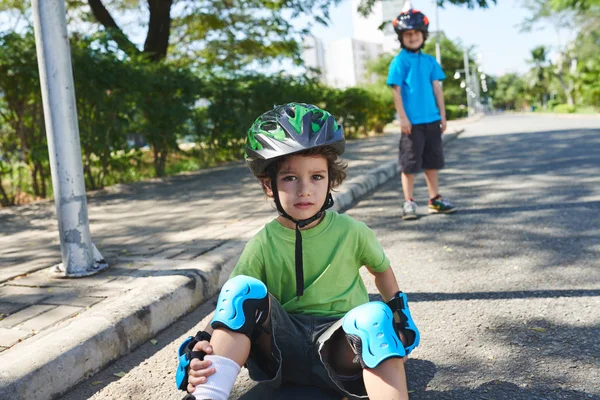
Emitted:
pixel 341 357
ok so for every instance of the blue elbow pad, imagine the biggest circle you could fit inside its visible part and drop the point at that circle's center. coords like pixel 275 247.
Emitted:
pixel 185 355
pixel 404 322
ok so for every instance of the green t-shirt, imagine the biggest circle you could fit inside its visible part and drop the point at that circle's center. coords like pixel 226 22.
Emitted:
pixel 333 253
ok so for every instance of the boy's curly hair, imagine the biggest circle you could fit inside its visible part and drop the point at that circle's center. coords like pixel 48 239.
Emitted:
pixel 336 166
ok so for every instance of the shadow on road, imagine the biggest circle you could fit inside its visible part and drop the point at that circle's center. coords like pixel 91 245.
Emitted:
pixel 421 372
pixel 529 195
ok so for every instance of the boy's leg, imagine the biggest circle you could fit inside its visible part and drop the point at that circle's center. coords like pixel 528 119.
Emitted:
pixel 242 308
pixel 340 355
pixel 232 345
pixel 408 185
pixel 387 381
pixel 431 177
pixel 433 161
pixel 410 160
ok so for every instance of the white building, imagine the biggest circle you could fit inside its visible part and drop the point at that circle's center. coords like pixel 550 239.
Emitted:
pixel 347 62
pixel 389 11
pixel 346 58
pixel 365 29
pixel 313 54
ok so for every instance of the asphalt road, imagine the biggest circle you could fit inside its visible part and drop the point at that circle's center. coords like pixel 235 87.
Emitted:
pixel 506 292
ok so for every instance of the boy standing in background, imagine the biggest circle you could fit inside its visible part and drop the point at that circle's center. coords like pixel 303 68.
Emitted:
pixel 415 79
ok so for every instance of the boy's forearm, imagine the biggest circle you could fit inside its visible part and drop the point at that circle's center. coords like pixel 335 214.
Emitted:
pixel 439 99
pixel 386 283
pixel 398 102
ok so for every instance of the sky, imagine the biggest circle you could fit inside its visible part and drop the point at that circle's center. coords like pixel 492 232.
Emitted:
pixel 494 32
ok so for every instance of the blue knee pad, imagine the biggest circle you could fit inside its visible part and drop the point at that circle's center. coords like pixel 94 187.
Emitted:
pixel 370 331
pixel 243 303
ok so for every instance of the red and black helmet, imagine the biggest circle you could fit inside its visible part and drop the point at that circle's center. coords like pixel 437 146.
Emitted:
pixel 409 20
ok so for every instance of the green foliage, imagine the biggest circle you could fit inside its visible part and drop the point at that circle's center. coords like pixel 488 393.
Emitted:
pixel 234 104
pixel 223 37
pixel 380 67
pixel 382 110
pixel 509 93
pixel 587 74
pixel 452 61
pixel 456 112
pixel 105 88
pixel 576 5
pixel 165 103
pixel 351 107
pixel 573 75
pixel 23 149
pixel 540 75
pixel 564 108
pixel 117 99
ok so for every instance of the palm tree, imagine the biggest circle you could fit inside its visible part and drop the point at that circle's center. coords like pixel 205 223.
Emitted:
pixel 539 75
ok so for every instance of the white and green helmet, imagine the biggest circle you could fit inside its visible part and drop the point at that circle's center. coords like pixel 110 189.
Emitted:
pixel 289 129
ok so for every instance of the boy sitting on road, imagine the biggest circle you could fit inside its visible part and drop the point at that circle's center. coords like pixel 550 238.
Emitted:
pixel 415 80
pixel 295 308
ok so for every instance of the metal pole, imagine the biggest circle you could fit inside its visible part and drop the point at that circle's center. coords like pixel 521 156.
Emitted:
pixel 438 53
pixel 476 86
pixel 79 255
pixel 467 81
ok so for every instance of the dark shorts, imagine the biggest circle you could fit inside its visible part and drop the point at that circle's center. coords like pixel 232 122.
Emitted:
pixel 296 354
pixel 422 149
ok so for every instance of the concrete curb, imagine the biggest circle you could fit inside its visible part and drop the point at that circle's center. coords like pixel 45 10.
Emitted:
pixel 55 360
pixel 52 362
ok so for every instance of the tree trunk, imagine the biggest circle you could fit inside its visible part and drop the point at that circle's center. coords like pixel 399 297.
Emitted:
pixel 103 17
pixel 159 28
pixel 567 88
pixel 43 177
pixel 569 94
pixel 34 180
pixel 160 160
pixel 5 201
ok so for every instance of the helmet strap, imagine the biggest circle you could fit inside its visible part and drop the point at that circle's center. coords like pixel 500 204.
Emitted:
pixel 300 224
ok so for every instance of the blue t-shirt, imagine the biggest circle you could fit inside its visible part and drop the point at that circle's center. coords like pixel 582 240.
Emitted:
pixel 414 74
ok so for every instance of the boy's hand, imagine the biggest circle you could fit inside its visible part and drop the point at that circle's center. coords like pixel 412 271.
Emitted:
pixel 199 370
pixel 443 125
pixel 405 126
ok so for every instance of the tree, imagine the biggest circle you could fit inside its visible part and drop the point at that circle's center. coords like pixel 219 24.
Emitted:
pixel 539 76
pixel 223 36
pixel 587 71
pixel 583 16
pixel 365 7
pixel 22 130
pixel 575 5
pixel 509 93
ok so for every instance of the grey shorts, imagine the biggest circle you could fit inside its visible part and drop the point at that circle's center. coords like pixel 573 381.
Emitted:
pixel 296 354
pixel 422 149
